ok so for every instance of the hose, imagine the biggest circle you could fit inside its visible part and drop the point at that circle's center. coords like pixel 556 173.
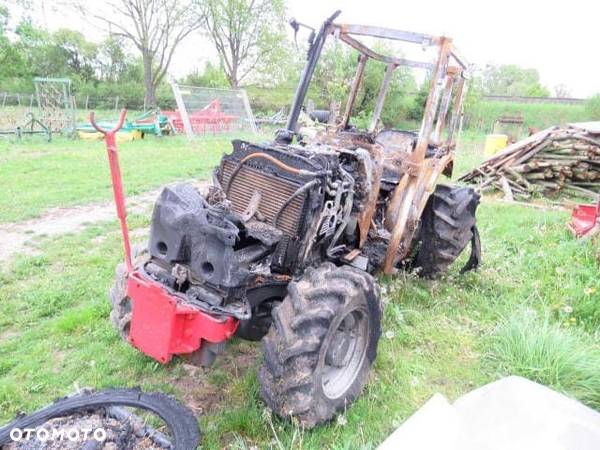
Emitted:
pixel 272 159
pixel 298 192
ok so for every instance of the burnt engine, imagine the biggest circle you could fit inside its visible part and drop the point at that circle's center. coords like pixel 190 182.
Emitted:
pixel 271 212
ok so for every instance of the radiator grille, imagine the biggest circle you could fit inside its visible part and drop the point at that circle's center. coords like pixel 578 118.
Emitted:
pixel 274 193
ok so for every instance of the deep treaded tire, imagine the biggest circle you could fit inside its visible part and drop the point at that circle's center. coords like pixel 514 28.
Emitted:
pixel 322 344
pixel 447 226
pixel 120 316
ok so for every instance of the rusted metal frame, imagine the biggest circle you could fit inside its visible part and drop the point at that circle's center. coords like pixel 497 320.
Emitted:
pixel 456 111
pixel 398 245
pixel 362 48
pixel 462 62
pixel 432 100
pixel 391 213
pixel 366 215
pixel 360 70
pixel 444 107
pixel 314 53
pixel 434 169
pixel 389 72
pixel 387 33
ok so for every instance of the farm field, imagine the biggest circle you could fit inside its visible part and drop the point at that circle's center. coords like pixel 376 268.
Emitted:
pixel 38 175
pixel 533 309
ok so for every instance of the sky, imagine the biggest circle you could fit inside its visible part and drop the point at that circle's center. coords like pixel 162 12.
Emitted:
pixel 558 38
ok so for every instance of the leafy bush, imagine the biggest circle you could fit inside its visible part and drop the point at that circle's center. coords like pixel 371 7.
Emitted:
pixel 565 359
pixel 592 107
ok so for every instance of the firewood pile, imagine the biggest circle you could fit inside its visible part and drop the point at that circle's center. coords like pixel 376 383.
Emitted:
pixel 558 160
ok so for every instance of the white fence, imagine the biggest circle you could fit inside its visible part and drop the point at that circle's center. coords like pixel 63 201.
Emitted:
pixel 208 111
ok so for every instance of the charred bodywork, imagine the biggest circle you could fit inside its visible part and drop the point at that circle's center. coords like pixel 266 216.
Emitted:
pixel 270 214
pixel 287 238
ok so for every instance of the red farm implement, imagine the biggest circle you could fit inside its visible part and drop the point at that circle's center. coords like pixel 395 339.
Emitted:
pixel 585 220
pixel 210 119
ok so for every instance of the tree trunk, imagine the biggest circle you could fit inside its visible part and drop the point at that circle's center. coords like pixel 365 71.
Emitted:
pixel 150 90
pixel 233 76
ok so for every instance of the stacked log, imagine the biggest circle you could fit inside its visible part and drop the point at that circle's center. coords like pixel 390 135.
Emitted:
pixel 558 160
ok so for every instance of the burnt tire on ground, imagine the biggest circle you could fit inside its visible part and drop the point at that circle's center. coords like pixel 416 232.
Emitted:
pixel 120 316
pixel 448 225
pixel 322 344
pixel 181 423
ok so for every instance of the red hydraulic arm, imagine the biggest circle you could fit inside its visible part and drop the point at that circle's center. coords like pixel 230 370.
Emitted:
pixel 117 182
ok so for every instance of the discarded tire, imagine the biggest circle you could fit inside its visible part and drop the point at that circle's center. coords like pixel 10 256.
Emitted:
pixel 447 227
pixel 180 421
pixel 320 349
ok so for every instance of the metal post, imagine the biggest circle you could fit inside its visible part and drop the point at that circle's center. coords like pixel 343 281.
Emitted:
pixel 314 53
pixel 362 62
pixel 116 103
pixel 389 72
pixel 446 97
pixel 457 110
pixel 87 101
pixel 187 126
pixel 249 111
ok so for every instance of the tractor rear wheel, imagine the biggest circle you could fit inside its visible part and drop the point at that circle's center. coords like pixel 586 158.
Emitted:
pixel 120 316
pixel 447 226
pixel 322 344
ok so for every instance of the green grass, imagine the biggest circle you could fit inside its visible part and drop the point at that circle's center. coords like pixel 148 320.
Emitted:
pixel 55 333
pixel 539 115
pixel 37 175
pixel 534 347
pixel 449 335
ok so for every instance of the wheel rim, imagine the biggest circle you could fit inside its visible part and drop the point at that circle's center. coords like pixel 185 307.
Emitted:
pixel 344 353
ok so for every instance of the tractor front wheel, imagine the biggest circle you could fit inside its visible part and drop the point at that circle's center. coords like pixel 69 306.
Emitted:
pixel 322 344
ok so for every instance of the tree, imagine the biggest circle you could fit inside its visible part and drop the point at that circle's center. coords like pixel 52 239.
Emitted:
pixel 244 32
pixel 11 59
pixel 112 61
pixel 562 91
pixel 212 76
pixel 335 73
pixel 74 53
pixel 154 27
pixel 592 107
pixel 510 79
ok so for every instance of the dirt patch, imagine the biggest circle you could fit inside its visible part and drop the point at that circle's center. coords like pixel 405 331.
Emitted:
pixel 19 238
pixel 9 334
pixel 208 390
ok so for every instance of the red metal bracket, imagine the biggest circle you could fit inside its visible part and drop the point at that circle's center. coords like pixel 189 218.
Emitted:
pixel 162 327
pixel 117 182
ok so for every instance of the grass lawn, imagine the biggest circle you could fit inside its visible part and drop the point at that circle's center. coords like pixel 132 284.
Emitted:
pixel 55 334
pixel 37 175
pixel 449 335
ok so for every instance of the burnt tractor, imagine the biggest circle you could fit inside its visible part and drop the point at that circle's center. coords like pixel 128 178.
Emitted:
pixel 285 245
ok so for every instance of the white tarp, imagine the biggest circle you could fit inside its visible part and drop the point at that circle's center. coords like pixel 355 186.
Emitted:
pixel 509 414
